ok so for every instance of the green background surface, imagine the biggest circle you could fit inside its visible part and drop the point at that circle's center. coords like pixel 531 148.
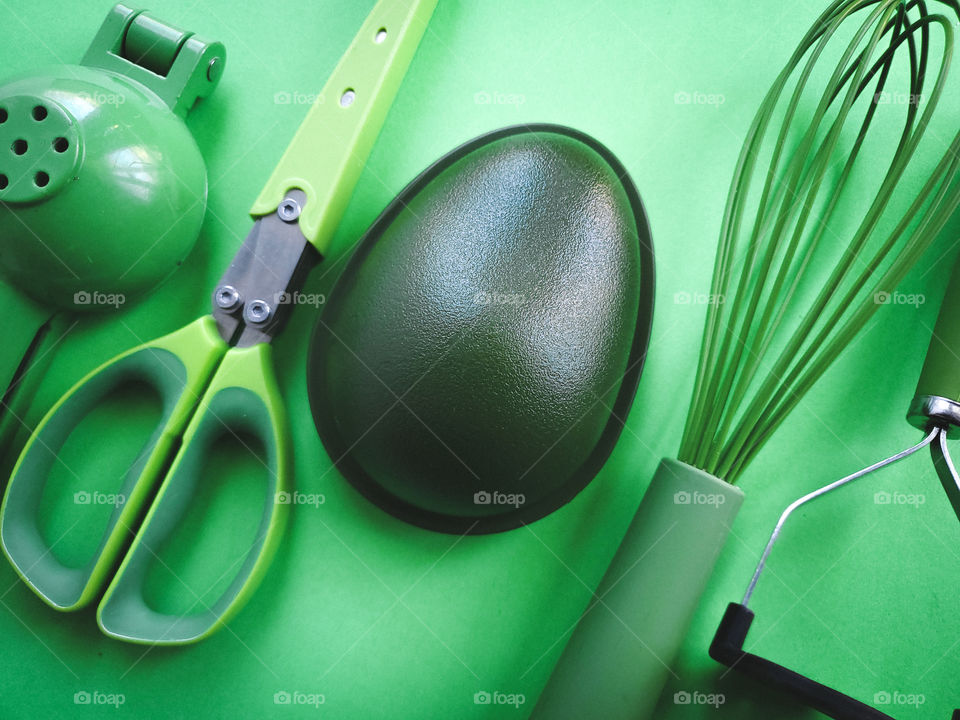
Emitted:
pixel 386 620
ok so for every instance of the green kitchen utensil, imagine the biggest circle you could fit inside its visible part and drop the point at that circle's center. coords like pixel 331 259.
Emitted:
pixel 794 282
pixel 476 360
pixel 935 409
pixel 215 375
pixel 102 187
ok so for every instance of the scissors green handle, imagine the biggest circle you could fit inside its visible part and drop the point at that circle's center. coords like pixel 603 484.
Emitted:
pixel 215 376
pixel 206 389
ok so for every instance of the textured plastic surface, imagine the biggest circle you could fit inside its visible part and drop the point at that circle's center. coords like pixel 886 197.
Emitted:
pixel 325 157
pixel 619 655
pixel 502 301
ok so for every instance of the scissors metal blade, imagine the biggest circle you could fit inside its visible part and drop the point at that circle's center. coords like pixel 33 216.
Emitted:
pixel 255 295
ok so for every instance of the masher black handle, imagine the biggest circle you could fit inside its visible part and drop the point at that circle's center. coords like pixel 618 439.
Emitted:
pixel 727 648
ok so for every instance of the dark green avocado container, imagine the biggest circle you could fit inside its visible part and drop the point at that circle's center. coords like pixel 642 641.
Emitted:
pixel 475 362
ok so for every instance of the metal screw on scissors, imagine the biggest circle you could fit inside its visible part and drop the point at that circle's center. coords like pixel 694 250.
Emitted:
pixel 215 375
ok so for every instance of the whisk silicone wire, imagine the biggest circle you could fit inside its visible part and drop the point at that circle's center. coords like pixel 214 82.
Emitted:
pixel 781 402
pixel 815 313
pixel 733 215
pixel 803 205
pixel 721 435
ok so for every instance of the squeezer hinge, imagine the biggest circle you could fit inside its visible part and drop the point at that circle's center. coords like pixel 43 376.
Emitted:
pixel 175 64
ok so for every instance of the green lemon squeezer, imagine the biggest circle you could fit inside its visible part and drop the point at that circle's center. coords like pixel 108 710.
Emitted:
pixel 215 375
pixel 103 188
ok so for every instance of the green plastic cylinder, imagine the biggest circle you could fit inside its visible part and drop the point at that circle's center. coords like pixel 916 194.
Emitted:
pixel 618 657
pixel 940 376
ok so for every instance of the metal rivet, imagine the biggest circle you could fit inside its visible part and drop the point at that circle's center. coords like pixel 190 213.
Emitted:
pixel 289 210
pixel 257 312
pixel 214 70
pixel 227 297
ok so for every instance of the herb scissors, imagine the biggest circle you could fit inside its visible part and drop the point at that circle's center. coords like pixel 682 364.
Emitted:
pixel 215 375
